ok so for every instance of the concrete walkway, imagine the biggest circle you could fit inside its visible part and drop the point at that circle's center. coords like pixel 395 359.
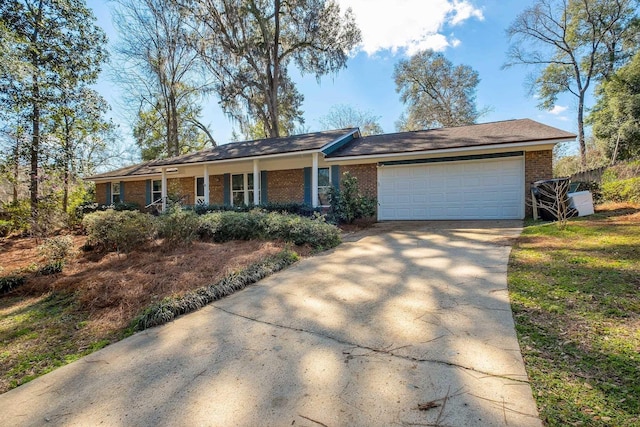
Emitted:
pixel 405 316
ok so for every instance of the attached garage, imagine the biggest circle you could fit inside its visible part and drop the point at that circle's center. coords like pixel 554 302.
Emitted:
pixel 490 188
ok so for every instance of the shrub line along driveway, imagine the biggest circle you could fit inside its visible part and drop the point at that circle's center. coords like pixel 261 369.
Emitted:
pixel 406 324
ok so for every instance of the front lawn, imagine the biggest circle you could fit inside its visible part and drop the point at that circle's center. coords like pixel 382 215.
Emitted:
pixel 575 295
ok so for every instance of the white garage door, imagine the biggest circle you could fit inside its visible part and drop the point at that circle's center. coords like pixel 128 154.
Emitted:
pixel 476 189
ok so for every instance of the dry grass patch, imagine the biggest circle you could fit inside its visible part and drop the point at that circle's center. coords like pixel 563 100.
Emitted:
pixel 52 320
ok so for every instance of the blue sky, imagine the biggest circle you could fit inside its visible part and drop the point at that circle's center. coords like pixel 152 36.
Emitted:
pixel 468 32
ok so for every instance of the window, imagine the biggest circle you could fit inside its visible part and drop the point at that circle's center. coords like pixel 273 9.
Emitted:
pixel 199 190
pixel 242 188
pixel 324 185
pixel 156 190
pixel 115 193
pixel 237 190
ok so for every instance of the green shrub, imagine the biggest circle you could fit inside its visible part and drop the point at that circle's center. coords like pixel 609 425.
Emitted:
pixel 178 226
pixel 80 195
pixel 257 224
pixel 5 227
pixel 118 230
pixel 593 187
pixel 19 214
pixel 233 226
pixel 9 283
pixel 625 190
pixel 126 206
pixel 349 204
pixel 57 248
pixel 288 207
pixel 53 267
pixel 299 230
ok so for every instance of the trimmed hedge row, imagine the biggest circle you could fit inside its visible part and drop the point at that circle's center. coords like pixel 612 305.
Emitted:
pixel 127 230
pixel 291 208
pixel 225 226
pixel 170 308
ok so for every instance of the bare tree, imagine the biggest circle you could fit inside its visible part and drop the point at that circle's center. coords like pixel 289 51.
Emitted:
pixel 159 70
pixel 345 116
pixel 249 45
pixel 551 200
pixel 571 42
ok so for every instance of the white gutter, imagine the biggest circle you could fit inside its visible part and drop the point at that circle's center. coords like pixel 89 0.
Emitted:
pixel 447 150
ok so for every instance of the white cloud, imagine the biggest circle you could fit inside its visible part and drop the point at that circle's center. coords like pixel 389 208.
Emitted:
pixel 410 25
pixel 557 110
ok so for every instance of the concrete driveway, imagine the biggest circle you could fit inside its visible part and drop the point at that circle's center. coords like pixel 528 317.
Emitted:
pixel 404 316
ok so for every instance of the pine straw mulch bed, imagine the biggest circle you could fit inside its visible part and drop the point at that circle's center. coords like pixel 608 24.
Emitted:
pixel 52 320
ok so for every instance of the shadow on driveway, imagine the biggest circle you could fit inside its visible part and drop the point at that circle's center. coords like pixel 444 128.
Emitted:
pixel 404 324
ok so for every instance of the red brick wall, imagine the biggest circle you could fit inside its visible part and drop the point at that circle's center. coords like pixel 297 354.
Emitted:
pixel 216 189
pixel 537 165
pixel 285 185
pixel 367 177
pixel 183 188
pixel 101 193
pixel 136 192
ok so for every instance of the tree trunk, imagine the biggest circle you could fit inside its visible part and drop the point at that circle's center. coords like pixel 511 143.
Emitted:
pixel 275 82
pixel 581 140
pixel 16 167
pixel 35 149
pixel 173 147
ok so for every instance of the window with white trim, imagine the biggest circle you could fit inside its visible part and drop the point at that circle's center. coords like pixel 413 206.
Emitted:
pixel 156 190
pixel 324 185
pixel 242 188
pixel 115 193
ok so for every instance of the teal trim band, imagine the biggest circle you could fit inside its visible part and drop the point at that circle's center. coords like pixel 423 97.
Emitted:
pixel 453 159
pixel 307 186
pixel 335 176
pixel 147 192
pixel 226 185
pixel 338 145
pixel 264 199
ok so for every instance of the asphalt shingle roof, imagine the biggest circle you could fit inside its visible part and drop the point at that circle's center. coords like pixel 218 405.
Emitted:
pixel 504 132
pixel 236 150
pixel 486 134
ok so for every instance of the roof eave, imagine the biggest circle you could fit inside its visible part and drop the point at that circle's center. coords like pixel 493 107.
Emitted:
pixel 551 142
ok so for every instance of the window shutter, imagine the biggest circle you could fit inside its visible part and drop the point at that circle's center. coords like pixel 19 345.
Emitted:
pixel 121 191
pixel 307 186
pixel 147 192
pixel 335 176
pixel 226 184
pixel 108 201
pixel 263 188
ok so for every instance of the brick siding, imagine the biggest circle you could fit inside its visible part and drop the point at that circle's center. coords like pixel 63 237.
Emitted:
pixel 537 165
pixel 216 189
pixel 183 188
pixel 136 192
pixel 101 193
pixel 285 186
pixel 367 176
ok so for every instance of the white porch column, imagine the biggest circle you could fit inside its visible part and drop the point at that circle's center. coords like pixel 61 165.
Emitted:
pixel 164 189
pixel 314 181
pixel 206 184
pixel 257 185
